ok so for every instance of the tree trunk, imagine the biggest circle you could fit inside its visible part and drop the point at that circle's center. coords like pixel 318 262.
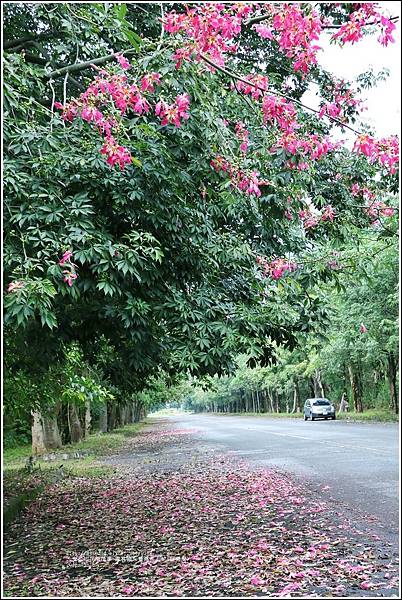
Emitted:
pixel 111 416
pixel 103 419
pixel 294 399
pixel 391 376
pixel 74 423
pixel 88 418
pixel 45 434
pixel 356 389
pixel 318 387
pixel 38 441
pixel 297 392
pixel 343 407
pixel 271 401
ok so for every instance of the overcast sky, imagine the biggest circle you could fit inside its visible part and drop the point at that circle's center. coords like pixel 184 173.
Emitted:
pixel 383 102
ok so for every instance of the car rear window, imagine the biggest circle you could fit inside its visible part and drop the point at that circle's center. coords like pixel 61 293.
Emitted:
pixel 321 402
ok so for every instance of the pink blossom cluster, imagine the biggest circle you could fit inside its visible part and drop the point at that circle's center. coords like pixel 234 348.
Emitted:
pixel 115 154
pixel 69 274
pixel 14 286
pixel 173 113
pixel 328 213
pixel 295 32
pixel 219 163
pixel 311 220
pixel 312 147
pixel 384 151
pixel 243 135
pixel 364 192
pixel 110 96
pixel 211 27
pixel 278 111
pixel 275 268
pixel 378 208
pixel 343 98
pixel 334 263
pixel 256 88
pixel 374 208
pixel 366 13
pixel 248 183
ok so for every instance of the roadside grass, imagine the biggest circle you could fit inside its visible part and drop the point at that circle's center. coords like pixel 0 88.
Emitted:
pixel 97 444
pixel 372 415
pixel 375 414
pixel 21 486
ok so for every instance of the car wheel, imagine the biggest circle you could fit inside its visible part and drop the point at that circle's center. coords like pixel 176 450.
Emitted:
pixel 333 418
pixel 305 418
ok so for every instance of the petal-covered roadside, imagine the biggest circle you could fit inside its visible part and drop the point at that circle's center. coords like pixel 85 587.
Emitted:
pixel 212 527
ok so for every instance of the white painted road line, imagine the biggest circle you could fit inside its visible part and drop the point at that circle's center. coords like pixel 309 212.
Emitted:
pixel 329 443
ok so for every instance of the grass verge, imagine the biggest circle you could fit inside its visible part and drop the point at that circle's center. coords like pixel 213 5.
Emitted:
pixel 373 415
pixel 20 487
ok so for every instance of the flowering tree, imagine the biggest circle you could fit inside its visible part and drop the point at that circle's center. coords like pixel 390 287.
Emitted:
pixel 184 201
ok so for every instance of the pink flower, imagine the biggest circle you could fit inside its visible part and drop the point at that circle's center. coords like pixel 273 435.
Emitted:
pixel 366 585
pixel 328 213
pixel 65 258
pixel 124 63
pixel 291 587
pixel 69 277
pixel 363 328
pixel 264 31
pixel 256 580
pixel 173 113
pixel 128 589
pixel 276 269
pixel 148 81
pixel 14 286
pixel 115 153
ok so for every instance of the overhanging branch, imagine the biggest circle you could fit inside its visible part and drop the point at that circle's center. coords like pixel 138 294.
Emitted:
pixel 234 75
pixel 77 67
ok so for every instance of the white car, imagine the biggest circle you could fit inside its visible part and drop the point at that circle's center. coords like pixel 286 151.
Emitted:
pixel 318 408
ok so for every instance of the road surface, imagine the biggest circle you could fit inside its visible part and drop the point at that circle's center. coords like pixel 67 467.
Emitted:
pixel 358 461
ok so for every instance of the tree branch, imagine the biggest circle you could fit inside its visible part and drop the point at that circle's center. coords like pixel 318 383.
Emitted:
pixel 77 67
pixel 31 38
pixel 260 18
pixel 239 78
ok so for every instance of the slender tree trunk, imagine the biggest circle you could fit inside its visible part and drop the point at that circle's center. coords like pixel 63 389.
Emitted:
pixel 391 376
pixel 103 419
pixel 277 401
pixel 111 416
pixel 271 401
pixel 343 406
pixel 297 392
pixel 318 387
pixel 88 418
pixel 75 424
pixel 294 399
pixel 356 389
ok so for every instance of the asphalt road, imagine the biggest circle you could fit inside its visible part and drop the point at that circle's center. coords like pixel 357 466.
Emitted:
pixel 358 461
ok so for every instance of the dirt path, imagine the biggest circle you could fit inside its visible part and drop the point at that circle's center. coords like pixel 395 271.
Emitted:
pixel 181 518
